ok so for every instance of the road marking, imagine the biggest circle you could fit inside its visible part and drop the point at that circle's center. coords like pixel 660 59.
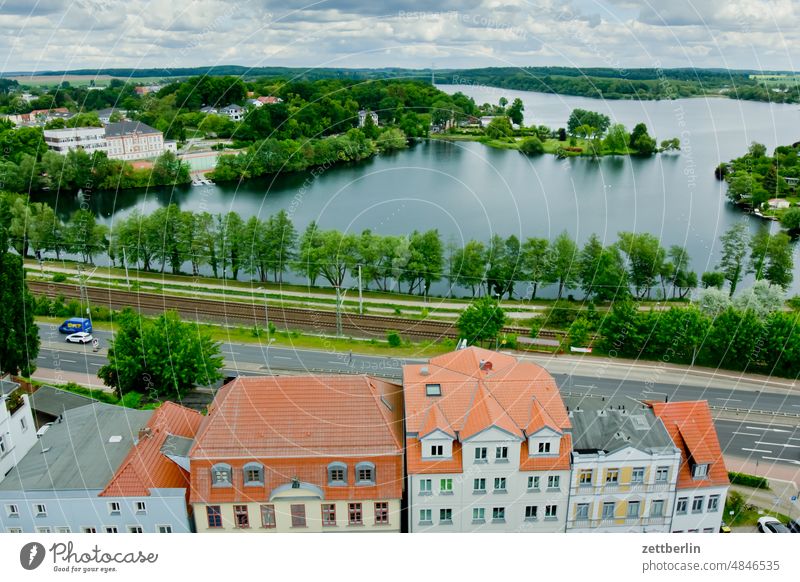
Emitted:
pixel 784 460
pixel 68 361
pixel 796 405
pixel 794 439
pixel 231 353
pixel 728 399
pixel 282 357
pixel 93 364
pixel 585 386
pixel 757 450
pixel 778 445
pixel 337 362
pixel 772 429
pixel 746 433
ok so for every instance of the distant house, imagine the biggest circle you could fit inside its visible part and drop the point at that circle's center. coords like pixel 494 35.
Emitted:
pixel 362 117
pixel 105 114
pixel 269 100
pixel 147 89
pixel 255 103
pixel 778 203
pixel 486 120
pixel 233 111
pixel 133 140
pixel 209 110
pixel 791 182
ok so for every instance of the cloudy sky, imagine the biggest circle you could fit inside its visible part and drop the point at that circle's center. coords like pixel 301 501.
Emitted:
pixel 70 34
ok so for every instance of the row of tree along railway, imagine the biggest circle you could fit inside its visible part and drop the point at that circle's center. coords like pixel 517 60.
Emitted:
pixel 260 314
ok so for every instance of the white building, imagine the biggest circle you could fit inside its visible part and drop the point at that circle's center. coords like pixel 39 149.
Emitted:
pixel 90 139
pixel 233 111
pixel 362 117
pixel 702 479
pixel 487 445
pixel 624 467
pixel 133 140
pixel 17 430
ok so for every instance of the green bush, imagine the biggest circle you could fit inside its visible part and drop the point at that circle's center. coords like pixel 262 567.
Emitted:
pixel 131 400
pixel 59 278
pixel 394 339
pixel 748 480
pixel 531 146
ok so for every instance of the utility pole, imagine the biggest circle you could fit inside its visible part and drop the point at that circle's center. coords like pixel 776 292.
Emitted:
pixel 360 297
pixel 338 310
pixel 125 261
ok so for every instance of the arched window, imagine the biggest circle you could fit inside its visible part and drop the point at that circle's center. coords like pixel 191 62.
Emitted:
pixel 337 473
pixel 221 475
pixel 365 473
pixel 253 474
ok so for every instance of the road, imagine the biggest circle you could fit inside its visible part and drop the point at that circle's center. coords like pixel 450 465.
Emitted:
pixel 775 442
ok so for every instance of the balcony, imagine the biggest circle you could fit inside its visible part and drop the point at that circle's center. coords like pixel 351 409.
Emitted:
pixel 618 522
pixel 610 488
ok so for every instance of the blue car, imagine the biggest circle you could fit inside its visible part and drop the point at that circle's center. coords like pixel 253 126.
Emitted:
pixel 76 324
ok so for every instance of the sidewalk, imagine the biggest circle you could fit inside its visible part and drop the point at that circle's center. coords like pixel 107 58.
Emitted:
pixel 784 482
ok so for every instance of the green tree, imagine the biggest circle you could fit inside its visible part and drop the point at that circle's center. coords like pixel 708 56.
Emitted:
pixel 790 220
pixel 713 279
pixel 581 117
pixel 514 112
pixel 563 263
pixel 468 266
pixel 535 257
pixel 734 251
pixel 531 146
pixel 280 240
pixel 161 358
pixel 645 257
pixel 580 333
pixel 641 140
pixel 762 298
pixel 481 321
pixel 616 142
pixel 84 236
pixel 499 127
pixel 19 335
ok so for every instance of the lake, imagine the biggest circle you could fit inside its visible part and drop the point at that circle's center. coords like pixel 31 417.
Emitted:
pixel 470 191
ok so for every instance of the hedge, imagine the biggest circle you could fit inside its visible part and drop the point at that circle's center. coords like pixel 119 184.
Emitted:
pixel 748 480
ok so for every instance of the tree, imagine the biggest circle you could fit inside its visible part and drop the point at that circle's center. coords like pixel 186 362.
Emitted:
pixel 425 262
pixel 580 333
pixel 671 144
pixel 780 266
pixel 580 117
pixel 279 243
pixel 531 146
pixel 535 257
pixel 790 220
pixel 481 321
pixel 641 140
pixel 734 250
pixel 645 259
pixel 162 357
pixel 563 262
pixel 515 111
pixel 19 335
pixel 589 264
pixel 713 279
pixel 757 150
pixel 468 266
pixel 84 236
pixel 712 301
pixel 616 141
pixel 762 298
pixel 499 127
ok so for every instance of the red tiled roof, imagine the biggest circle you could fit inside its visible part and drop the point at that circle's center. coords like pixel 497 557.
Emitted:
pixel 539 419
pixel 415 463
pixel 692 430
pixel 145 467
pixel 560 462
pixel 484 413
pixel 434 421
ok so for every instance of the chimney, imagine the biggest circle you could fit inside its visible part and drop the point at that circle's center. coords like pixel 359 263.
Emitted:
pixel 486 365
pixel 424 371
pixel 145 432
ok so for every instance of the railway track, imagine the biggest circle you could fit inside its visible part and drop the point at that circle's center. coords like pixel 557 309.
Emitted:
pixel 258 313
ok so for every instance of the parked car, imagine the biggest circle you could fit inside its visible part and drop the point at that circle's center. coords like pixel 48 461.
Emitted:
pixel 769 524
pixel 76 324
pixel 724 528
pixel 80 338
pixel 793 525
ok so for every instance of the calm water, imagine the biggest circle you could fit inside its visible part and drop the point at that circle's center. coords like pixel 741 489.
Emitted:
pixel 469 191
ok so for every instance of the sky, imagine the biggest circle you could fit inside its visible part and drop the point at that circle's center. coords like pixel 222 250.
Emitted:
pixel 40 35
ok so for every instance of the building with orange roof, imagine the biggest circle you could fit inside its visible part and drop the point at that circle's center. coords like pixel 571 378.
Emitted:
pixel 702 477
pixel 300 454
pixel 101 468
pixel 624 467
pixel 487 443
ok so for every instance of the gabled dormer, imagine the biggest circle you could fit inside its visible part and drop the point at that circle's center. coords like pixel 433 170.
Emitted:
pixel 437 435
pixel 544 436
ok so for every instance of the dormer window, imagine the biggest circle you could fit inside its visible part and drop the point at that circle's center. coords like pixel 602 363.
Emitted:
pixel 433 389
pixel 544 448
pixel 365 474
pixel 437 451
pixel 221 475
pixel 337 474
pixel 700 471
pixel 253 474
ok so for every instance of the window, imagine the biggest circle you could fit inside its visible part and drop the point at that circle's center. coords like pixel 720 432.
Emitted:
pixel 433 389
pixel 2 445
pixel 638 475
pixel 533 482
pixel 298 515
pixel 268 516
pixel 91 530
pixel 697 505
pixel 253 474
pixel 43 529
pixel 633 509
pixel 141 507
pixel 553 481
pixel 501 454
pixel 585 477
pixel 612 476
pixel 657 508
pixel 708 530
pixel 551 511
pixel 23 424
pixel 354 514
pixel 425 487
pixel 479 485
pixel 700 471
pixel 662 473
pixel 365 474
pixel 680 506
pixel 12 510
pixel 240 516
pixel 221 475
pixel 381 512
pixel 498 514
pixel 114 508
pixel 14 530
pixel 582 511
pixel 446 486
pixel 713 503
pixel 478 515
pixel 425 516
pixel 135 529
pixel 544 448
pixel 164 528
pixel 480 455
pixel 328 514
pixel 445 516
pixel 499 484
pixel 65 529
pixel 608 509
pixel 214 516
pixel 40 509
pixel 531 512
pixel 437 450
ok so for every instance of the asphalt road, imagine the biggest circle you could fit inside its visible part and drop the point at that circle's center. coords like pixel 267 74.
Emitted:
pixel 776 442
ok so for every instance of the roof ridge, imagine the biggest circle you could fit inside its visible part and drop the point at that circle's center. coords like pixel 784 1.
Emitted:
pixel 377 398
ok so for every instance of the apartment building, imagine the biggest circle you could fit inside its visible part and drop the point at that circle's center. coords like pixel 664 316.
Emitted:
pixel 89 139
pixel 104 469
pixel 300 454
pixel 133 140
pixel 624 467
pixel 17 430
pixel 702 477
pixel 487 444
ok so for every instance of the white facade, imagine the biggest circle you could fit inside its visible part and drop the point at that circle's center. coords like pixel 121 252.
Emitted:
pixel 362 117
pixel 234 112
pixel 90 139
pixel 699 510
pixel 136 146
pixel 491 493
pixel 17 431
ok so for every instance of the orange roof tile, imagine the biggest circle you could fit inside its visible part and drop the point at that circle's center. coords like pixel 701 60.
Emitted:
pixel 560 462
pixel 692 429
pixel 434 421
pixel 486 412
pixel 145 467
pixel 539 419
pixel 415 463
